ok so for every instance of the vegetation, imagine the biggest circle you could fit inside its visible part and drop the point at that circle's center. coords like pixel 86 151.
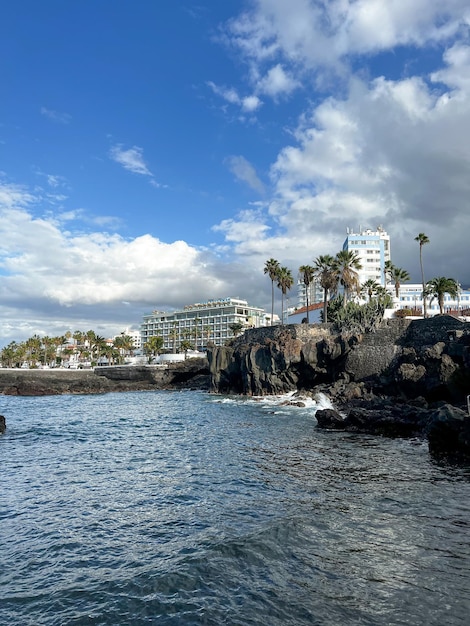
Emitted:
pixel 307 274
pixel 272 268
pixel 325 272
pixel 79 348
pixel 354 317
pixel 154 346
pixel 236 328
pixel 346 266
pixel 370 288
pixel 438 287
pixel 284 282
pixel 422 239
pixel 398 276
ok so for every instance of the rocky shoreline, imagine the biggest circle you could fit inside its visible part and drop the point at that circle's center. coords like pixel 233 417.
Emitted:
pixel 407 379
pixel 190 374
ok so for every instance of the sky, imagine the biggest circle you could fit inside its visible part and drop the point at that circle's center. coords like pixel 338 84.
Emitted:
pixel 157 154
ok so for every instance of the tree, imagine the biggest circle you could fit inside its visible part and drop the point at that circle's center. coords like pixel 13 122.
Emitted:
pixel 422 239
pixel 154 345
pixel 124 344
pixel 186 345
pixel 346 266
pixel 272 269
pixel 388 267
pixel 207 332
pixel 196 330
pixel 398 276
pixel 370 288
pixel 438 287
pixel 33 349
pixel 324 270
pixel 307 274
pixel 284 282
pixel 13 354
pixel 236 328
pixel 174 336
pixel 99 344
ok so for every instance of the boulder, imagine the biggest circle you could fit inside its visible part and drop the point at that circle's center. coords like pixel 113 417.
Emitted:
pixel 3 424
pixel 448 432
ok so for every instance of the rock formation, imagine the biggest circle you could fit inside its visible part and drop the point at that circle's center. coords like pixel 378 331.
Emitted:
pixel 190 374
pixel 407 378
pixel 406 359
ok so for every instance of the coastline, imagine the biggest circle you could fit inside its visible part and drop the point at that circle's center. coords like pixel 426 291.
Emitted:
pixel 42 382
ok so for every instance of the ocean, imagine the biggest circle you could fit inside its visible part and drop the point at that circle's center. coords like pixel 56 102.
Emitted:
pixel 185 508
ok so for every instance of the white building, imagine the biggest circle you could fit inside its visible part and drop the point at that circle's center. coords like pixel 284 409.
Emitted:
pixel 201 323
pixel 315 293
pixel 136 338
pixel 410 296
pixel 373 250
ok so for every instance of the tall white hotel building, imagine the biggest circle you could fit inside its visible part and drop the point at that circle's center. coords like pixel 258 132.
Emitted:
pixel 373 249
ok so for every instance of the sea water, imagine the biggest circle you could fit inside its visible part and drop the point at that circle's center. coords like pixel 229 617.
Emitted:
pixel 182 508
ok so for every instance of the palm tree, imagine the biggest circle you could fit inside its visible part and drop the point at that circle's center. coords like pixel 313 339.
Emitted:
pixel 196 332
pixel 438 287
pixel 346 265
pixel 324 269
pixel 370 288
pixel 307 274
pixel 284 282
pixel 272 269
pixel 33 349
pixel 207 332
pixel 174 336
pixel 398 277
pixel 388 268
pixel 99 344
pixel 236 328
pixel 154 345
pixel 124 344
pixel 186 345
pixel 422 239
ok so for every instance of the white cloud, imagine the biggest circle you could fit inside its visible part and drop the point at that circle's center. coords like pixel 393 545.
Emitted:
pixel 277 82
pixel 245 172
pixel 312 33
pixel 52 278
pixel 56 116
pixel 249 104
pixel 131 159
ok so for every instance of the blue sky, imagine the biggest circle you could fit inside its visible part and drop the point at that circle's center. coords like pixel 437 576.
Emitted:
pixel 155 154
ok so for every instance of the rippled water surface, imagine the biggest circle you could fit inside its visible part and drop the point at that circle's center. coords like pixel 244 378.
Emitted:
pixel 184 508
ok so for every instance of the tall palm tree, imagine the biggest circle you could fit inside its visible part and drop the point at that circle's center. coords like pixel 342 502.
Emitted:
pixel 398 276
pixel 346 265
pixel 438 287
pixel 284 282
pixel 422 239
pixel 272 269
pixel 196 331
pixel 174 336
pixel 324 269
pixel 307 274
pixel 388 267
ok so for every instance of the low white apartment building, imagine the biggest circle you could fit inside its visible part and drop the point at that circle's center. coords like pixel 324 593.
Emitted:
pixel 410 296
pixel 201 322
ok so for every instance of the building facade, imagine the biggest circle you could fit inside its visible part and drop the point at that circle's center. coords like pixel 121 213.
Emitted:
pixel 315 293
pixel 410 296
pixel 373 251
pixel 201 323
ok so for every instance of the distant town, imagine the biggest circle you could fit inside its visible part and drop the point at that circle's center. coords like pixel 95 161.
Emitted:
pixel 361 273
